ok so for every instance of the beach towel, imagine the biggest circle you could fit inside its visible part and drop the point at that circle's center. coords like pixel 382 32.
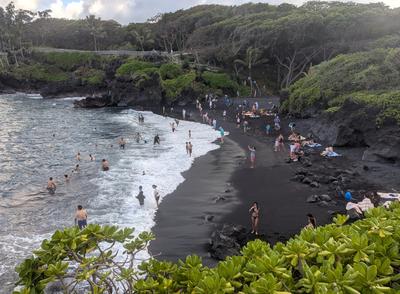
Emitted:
pixel 394 196
pixel 314 145
pixel 333 154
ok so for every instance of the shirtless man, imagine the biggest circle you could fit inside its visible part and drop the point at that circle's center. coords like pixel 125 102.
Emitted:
pixel 78 156
pixel 81 217
pixel 51 186
pixel 66 177
pixel 91 157
pixel 140 196
pixel 105 165
pixel 190 149
pixel 121 143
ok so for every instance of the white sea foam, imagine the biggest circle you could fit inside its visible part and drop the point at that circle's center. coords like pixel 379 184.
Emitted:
pixel 163 166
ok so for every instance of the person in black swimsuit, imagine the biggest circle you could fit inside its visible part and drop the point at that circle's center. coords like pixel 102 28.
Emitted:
pixel 255 214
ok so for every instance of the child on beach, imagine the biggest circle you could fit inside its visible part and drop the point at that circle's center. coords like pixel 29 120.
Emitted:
pixel 252 150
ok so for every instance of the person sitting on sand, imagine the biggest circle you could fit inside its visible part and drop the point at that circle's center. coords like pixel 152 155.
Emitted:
pixel 105 165
pixel 255 215
pixel 312 222
pixel 156 140
pixel 252 150
pixel 327 151
pixel 121 143
pixel 353 210
pixel 141 196
pixel 156 194
pixel 51 186
pixel 81 217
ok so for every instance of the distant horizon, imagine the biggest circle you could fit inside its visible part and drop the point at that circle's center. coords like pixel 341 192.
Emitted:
pixel 136 11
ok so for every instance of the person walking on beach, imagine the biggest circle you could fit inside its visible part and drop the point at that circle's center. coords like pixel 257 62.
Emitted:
pixel 255 215
pixel 156 194
pixel 312 222
pixel 141 196
pixel 252 150
pixel 51 186
pixel 121 143
pixel 78 156
pixel 172 126
pixel 190 134
pixel 105 165
pixel 279 144
pixel 81 217
pixel 222 135
pixel 190 149
pixel 187 148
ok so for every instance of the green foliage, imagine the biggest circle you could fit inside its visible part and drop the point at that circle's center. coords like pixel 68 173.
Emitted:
pixel 174 87
pixel 170 71
pixel 362 257
pixel 371 79
pixel 38 72
pixel 69 61
pixel 134 66
pixel 219 81
pixel 90 75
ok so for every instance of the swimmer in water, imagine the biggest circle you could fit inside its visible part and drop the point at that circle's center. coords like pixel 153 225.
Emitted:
pixel 78 156
pixel 156 140
pixel 141 196
pixel 81 217
pixel 66 178
pixel 121 143
pixel 77 168
pixel 138 137
pixel 105 165
pixel 91 157
pixel 51 186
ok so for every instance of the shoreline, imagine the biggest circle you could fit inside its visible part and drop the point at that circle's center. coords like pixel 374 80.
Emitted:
pixel 283 201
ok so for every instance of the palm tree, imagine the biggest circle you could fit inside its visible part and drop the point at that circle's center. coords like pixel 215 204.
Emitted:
pixel 94 25
pixel 253 57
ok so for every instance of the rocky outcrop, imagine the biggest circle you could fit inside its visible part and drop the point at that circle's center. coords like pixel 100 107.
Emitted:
pixel 94 102
pixel 228 241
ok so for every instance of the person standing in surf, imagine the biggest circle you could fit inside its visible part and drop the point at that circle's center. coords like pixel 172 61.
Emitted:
pixel 51 186
pixel 66 178
pixel 81 217
pixel 172 126
pixel 91 157
pixel 105 165
pixel 255 215
pixel 190 149
pixel 141 196
pixel 156 140
pixel 252 150
pixel 190 134
pixel 156 194
pixel 121 143
pixel 78 156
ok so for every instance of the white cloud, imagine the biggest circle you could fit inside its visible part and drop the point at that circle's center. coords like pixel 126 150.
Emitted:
pixel 126 11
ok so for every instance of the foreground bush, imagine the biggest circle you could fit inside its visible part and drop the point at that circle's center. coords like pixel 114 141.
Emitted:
pixel 362 257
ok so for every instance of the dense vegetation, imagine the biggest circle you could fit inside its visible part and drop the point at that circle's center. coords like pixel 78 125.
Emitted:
pixel 370 78
pixel 362 257
pixel 274 44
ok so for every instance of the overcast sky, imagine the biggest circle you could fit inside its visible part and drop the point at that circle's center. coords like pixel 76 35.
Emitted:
pixel 126 11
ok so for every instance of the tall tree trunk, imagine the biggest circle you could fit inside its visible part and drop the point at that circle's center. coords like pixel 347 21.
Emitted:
pixel 95 42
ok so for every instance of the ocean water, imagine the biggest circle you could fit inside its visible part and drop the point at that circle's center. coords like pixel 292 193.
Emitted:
pixel 39 138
